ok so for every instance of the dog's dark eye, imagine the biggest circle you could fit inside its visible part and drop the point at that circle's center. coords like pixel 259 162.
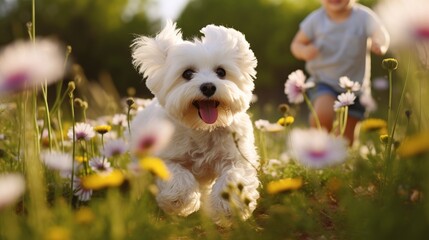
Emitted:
pixel 188 74
pixel 220 72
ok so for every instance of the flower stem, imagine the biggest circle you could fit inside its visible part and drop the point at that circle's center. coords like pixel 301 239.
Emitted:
pixel 73 146
pixel 344 117
pixel 313 112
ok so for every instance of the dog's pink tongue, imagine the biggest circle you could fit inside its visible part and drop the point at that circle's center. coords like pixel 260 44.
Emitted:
pixel 208 111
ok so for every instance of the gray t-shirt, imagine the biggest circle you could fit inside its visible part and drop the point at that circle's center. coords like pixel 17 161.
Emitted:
pixel 343 47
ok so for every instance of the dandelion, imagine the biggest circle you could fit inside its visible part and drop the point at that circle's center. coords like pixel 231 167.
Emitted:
pixel 58 161
pixel 100 164
pixel 349 85
pixel 83 131
pixel 155 166
pixel 286 121
pixel 296 86
pixel 102 129
pixel 316 148
pixel 114 148
pixel 414 146
pixel 152 137
pixel 102 180
pixel 25 64
pixel 344 99
pixel 373 124
pixel 12 186
pixel 83 194
pixel 285 184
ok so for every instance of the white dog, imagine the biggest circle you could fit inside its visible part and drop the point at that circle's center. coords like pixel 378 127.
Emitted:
pixel 204 88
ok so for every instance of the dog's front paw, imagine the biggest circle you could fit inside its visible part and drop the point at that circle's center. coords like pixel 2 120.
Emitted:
pixel 180 195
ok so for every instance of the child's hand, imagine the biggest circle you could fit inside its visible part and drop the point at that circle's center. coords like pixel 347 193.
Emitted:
pixel 310 52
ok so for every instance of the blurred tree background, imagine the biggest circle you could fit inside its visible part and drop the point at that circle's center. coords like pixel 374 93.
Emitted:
pixel 100 33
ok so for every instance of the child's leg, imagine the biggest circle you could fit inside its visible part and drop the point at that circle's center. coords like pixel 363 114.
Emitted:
pixel 324 107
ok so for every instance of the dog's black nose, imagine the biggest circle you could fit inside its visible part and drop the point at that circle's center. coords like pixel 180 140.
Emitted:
pixel 208 89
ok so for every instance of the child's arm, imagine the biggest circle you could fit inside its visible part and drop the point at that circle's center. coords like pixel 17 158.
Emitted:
pixel 302 48
pixel 380 41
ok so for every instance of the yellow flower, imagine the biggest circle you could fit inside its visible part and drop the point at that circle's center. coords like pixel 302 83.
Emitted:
pixel 81 159
pixel 101 180
pixel 155 166
pixel 384 138
pixel 286 121
pixel 373 124
pixel 414 145
pixel 57 233
pixel 102 129
pixel 284 185
pixel 84 216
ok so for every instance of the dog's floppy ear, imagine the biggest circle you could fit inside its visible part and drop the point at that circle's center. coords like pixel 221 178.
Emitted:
pixel 149 54
pixel 235 41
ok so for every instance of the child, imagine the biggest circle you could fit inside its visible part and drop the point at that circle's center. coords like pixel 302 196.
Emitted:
pixel 334 41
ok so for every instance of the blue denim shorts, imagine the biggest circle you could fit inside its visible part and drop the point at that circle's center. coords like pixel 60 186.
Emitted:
pixel 357 110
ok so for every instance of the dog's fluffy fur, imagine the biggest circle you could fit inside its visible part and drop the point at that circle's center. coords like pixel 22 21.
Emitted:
pixel 204 87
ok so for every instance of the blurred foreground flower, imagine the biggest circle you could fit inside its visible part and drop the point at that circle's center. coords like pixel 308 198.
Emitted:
pixel 103 179
pixel 414 146
pixel 151 137
pixel 284 185
pixel 296 86
pixel 155 166
pixel 12 186
pixel 25 64
pixel 316 148
pixel 408 24
pixel 58 161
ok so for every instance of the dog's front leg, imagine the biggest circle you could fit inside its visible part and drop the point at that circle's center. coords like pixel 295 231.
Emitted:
pixel 234 194
pixel 180 194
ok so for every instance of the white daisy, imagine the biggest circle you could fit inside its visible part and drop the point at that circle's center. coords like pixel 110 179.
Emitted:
pixel 24 64
pixel 83 131
pixel 12 186
pixel 344 99
pixel 295 86
pixel 82 194
pixel 100 164
pixel 266 126
pixel 316 148
pixel 349 85
pixel 114 148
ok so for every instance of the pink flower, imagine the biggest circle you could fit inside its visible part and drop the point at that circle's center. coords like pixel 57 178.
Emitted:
pixel 344 99
pixel 151 137
pixel 296 86
pixel 83 131
pixel 349 85
pixel 316 148
pixel 24 64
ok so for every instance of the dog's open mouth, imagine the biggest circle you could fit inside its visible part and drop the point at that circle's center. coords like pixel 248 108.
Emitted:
pixel 207 110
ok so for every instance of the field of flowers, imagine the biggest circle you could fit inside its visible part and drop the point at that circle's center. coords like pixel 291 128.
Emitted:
pixel 64 175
